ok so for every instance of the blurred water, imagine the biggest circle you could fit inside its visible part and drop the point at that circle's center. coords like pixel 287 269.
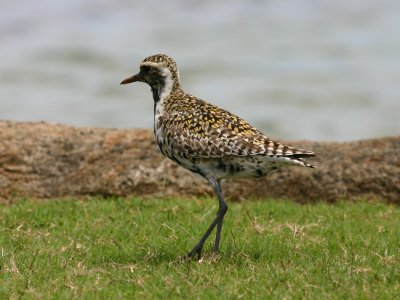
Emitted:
pixel 320 70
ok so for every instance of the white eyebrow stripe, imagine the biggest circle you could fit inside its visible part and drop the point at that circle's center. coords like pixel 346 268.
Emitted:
pixel 152 64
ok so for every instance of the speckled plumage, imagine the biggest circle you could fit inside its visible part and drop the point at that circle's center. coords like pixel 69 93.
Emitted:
pixel 206 139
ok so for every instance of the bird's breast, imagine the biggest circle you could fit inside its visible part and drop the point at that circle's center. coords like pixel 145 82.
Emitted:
pixel 166 146
pixel 160 136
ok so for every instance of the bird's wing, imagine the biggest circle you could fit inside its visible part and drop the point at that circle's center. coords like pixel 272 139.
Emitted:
pixel 211 132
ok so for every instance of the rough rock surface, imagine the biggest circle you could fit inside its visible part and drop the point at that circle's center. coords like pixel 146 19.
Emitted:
pixel 43 160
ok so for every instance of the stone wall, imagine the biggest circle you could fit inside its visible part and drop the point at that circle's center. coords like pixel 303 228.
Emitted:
pixel 42 160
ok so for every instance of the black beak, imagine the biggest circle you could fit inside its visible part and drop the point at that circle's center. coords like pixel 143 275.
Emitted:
pixel 131 79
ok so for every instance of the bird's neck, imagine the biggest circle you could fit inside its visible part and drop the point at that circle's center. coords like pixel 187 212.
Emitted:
pixel 164 95
pixel 163 88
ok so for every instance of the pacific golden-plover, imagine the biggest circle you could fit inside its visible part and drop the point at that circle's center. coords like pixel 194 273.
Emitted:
pixel 208 140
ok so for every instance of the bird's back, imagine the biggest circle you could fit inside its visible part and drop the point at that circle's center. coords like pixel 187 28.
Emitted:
pixel 205 138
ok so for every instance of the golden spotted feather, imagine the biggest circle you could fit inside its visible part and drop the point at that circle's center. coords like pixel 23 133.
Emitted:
pixel 201 130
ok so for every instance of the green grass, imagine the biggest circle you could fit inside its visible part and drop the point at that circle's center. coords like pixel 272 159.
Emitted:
pixel 118 248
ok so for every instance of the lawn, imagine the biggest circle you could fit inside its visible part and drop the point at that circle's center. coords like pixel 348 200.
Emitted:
pixel 124 248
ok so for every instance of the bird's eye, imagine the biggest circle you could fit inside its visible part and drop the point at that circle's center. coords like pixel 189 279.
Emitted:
pixel 145 69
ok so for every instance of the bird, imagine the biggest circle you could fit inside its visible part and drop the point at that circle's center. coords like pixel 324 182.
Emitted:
pixel 208 140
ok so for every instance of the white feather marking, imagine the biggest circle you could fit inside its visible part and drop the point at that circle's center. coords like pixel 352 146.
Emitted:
pixel 169 83
pixel 163 93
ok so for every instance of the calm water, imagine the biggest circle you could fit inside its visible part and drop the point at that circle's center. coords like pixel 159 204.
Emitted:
pixel 320 70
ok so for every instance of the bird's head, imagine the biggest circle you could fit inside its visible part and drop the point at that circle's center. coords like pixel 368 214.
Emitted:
pixel 159 71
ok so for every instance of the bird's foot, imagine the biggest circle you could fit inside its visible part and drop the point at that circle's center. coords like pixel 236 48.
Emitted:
pixel 195 251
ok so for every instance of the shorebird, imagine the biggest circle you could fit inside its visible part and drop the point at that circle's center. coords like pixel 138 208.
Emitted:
pixel 208 140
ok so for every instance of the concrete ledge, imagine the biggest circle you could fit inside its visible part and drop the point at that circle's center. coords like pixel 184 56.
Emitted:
pixel 43 160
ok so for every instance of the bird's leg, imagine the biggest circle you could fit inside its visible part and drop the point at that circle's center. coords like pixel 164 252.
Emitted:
pixel 223 207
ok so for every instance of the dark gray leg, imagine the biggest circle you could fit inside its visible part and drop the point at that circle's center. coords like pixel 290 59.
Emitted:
pixel 223 207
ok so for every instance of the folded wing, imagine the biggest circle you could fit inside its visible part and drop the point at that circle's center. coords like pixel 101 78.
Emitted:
pixel 211 132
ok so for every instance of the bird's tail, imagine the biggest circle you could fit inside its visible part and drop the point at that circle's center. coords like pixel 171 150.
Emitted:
pixel 298 155
pixel 290 154
pixel 302 162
